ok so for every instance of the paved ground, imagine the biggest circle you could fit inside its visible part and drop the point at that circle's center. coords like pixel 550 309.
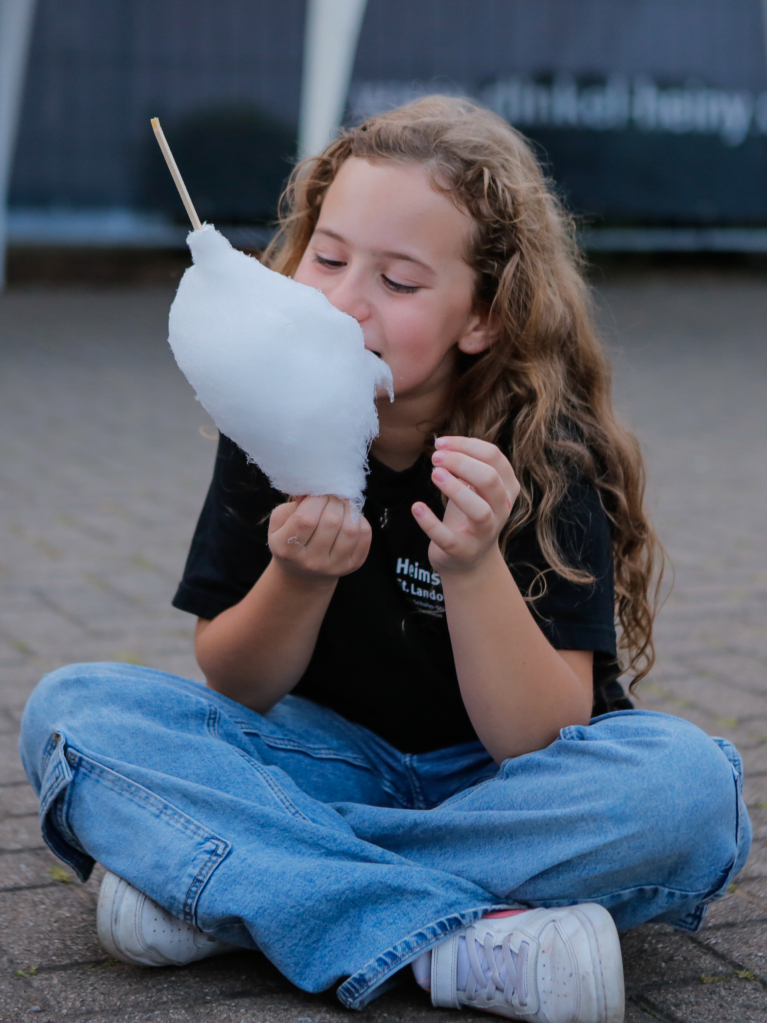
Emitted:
pixel 104 458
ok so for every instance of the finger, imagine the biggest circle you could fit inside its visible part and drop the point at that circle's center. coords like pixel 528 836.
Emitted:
pixel 364 540
pixel 481 449
pixel 348 534
pixel 484 451
pixel 300 527
pixel 472 504
pixel 327 528
pixel 484 478
pixel 280 516
pixel 442 535
pixel 359 552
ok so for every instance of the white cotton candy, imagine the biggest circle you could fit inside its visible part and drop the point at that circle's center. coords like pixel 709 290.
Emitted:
pixel 282 372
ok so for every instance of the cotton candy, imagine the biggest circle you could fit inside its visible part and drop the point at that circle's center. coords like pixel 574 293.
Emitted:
pixel 282 372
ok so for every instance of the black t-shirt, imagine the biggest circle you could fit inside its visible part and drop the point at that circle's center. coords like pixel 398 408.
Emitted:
pixel 383 657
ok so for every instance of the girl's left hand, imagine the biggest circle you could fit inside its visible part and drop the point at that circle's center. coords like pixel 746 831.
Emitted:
pixel 481 488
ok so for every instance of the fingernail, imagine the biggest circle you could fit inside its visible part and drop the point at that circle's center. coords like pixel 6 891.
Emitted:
pixel 441 442
pixel 437 457
pixel 418 509
pixel 440 475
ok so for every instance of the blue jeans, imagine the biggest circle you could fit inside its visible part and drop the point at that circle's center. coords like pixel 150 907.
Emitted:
pixel 340 858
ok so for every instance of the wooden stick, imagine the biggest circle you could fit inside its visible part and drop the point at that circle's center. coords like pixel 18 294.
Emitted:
pixel 175 175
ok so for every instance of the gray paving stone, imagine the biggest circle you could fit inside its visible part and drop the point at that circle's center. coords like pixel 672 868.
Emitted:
pixel 104 460
pixel 17 801
pixel 10 765
pixel 19 831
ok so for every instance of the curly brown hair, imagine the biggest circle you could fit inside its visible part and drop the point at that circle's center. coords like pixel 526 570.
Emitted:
pixel 542 389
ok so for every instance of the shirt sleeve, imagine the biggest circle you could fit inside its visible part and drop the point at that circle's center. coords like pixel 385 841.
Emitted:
pixel 229 548
pixel 573 616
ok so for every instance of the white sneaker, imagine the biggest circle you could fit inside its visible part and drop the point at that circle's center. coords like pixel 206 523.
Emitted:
pixel 542 966
pixel 133 928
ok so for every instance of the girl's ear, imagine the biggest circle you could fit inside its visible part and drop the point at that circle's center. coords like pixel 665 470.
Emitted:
pixel 479 335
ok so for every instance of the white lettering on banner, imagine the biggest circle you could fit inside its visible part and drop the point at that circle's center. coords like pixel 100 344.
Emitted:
pixel 693 110
pixel 562 103
pixel 616 104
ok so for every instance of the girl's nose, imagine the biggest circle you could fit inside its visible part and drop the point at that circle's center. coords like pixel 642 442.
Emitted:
pixel 347 294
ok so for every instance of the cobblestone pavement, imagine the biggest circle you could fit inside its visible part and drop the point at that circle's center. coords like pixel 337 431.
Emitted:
pixel 104 459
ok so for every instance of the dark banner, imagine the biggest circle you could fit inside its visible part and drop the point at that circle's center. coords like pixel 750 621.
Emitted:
pixel 650 112
pixel 633 152
pixel 646 112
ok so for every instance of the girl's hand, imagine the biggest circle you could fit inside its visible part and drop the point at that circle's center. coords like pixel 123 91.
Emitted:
pixel 481 489
pixel 317 538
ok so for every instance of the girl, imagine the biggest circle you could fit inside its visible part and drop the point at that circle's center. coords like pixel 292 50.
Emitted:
pixel 412 747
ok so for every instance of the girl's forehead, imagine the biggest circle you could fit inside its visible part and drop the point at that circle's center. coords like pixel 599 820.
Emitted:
pixel 370 203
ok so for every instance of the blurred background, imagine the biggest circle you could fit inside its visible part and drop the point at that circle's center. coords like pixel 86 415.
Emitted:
pixel 650 115
pixel 651 118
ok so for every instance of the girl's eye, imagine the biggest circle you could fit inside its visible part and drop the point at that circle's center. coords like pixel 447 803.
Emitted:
pixel 402 289
pixel 332 264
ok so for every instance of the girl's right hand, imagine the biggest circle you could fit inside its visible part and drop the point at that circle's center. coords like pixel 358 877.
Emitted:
pixel 317 537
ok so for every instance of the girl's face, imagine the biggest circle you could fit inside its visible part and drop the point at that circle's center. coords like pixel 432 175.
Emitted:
pixel 389 251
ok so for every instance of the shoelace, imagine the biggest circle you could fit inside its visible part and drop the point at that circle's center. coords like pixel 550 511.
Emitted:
pixel 515 964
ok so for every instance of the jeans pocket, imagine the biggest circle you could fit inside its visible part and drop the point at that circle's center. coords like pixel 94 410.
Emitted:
pixel 316 750
pixel 328 771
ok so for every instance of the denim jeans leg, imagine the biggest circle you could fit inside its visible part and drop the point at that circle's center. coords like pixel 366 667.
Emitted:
pixel 291 831
pixel 156 778
pixel 640 812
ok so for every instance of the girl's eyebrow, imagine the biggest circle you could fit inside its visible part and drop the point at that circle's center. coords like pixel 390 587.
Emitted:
pixel 388 253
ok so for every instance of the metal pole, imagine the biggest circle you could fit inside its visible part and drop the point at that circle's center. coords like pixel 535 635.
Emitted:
pixel 330 43
pixel 15 31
